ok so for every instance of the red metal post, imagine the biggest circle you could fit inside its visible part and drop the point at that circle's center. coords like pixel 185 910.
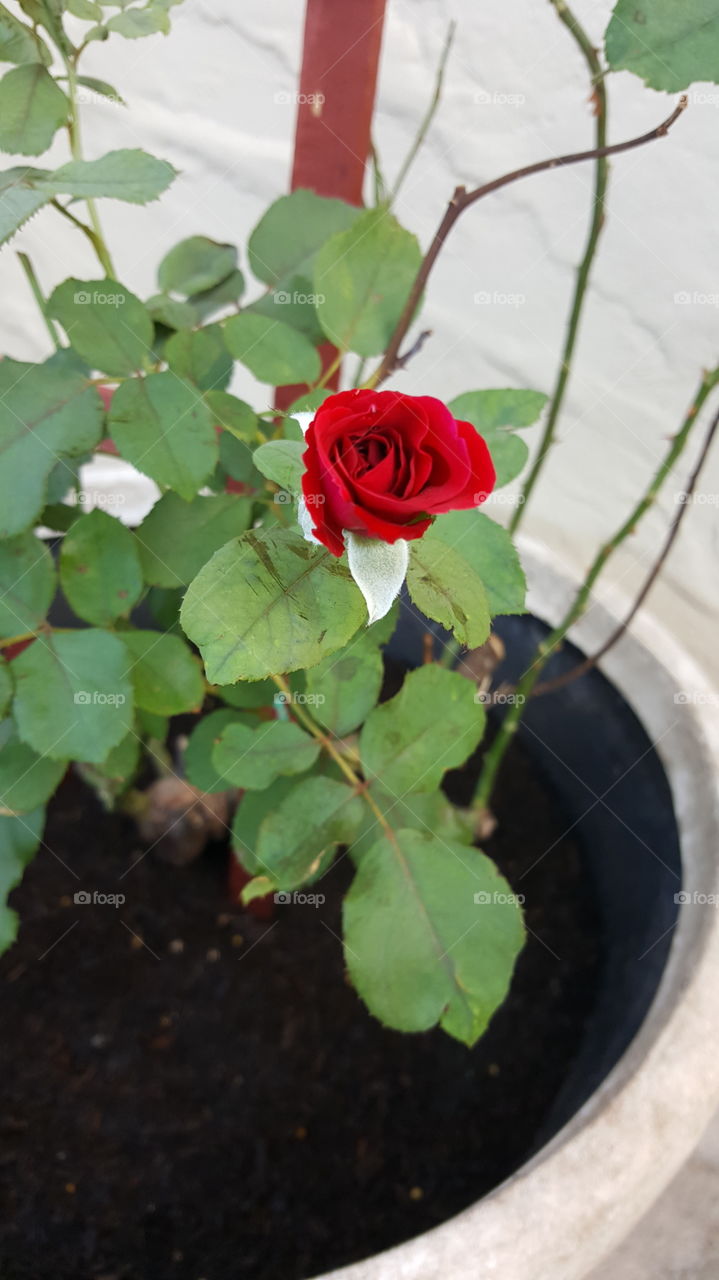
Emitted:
pixel 338 82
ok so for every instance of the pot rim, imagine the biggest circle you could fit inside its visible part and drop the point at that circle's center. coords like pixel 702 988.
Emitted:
pixel 564 1211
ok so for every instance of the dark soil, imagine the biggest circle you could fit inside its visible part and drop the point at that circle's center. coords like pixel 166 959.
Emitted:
pixel 188 1094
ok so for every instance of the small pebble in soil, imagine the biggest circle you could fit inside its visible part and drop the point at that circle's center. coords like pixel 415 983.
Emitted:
pixel 176 947
pixel 493 1069
pixel 416 1193
pixel 65 900
pixel 136 942
pixel 300 1133
pixel 70 1188
pixel 237 940
pixel 213 955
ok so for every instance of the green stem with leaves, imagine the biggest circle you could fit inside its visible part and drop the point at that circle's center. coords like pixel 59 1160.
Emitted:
pixel 555 639
pixel 39 297
pixel 601 176
pixel 97 238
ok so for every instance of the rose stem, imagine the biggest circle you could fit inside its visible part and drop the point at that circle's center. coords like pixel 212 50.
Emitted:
pixel 548 686
pixel 462 199
pixel 428 116
pixel 526 684
pixel 601 174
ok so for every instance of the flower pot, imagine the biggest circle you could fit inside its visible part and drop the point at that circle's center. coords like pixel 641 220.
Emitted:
pixel 646 1079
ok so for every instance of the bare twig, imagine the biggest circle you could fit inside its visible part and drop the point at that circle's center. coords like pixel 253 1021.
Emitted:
pixel 463 199
pixel 555 639
pixel 549 686
pixel 601 175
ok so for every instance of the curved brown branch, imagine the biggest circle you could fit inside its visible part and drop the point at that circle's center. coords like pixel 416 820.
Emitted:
pixel 549 686
pixel 462 199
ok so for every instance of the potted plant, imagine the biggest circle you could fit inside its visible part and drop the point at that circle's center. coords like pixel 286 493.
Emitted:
pixel 298 647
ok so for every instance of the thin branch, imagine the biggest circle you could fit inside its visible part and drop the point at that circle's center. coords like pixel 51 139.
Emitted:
pixel 559 682
pixel 463 199
pixel 404 359
pixel 40 299
pixel 555 639
pixel 428 115
pixel 601 174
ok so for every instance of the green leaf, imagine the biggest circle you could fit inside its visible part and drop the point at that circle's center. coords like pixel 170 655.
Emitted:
pixel 26 778
pixel 106 324
pixel 233 414
pixel 128 174
pixel 161 425
pixel 489 551
pixel 281 462
pixel 251 812
pixel 343 689
pixel 100 570
pixel 48 14
pixel 445 587
pixel 248 693
pixel 178 537
pixel 227 293
pixel 669 45
pixel 496 414
pixel 46 412
pixel 253 757
pixel 316 815
pixel 73 698
pixel 197 757
pixel 19 841
pixel 237 462
pixel 430 812
pixel 201 357
pixel 32 109
pixel 195 265
pixel 431 725
pixel 122 763
pixel 419 949
pixel 171 313
pixel 18 201
pixel 136 23
pixel 269 602
pixel 364 276
pixel 289 235
pixel 272 351
pixel 86 9
pixel 18 43
pixel 6 687
pixel 166 676
pixel 27 584
pixel 99 87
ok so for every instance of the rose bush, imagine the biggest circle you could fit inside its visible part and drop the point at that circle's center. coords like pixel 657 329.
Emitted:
pixel 382 464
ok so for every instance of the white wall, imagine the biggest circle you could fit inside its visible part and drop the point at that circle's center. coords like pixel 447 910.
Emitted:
pixel 205 99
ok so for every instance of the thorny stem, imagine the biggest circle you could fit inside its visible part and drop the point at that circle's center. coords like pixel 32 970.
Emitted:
pixel 73 129
pixel 37 293
pixel 428 116
pixel 549 686
pixel 326 741
pixel 601 174
pixel 462 199
pixel 525 686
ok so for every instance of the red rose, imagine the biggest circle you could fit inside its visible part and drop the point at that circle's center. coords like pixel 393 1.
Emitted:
pixel 382 464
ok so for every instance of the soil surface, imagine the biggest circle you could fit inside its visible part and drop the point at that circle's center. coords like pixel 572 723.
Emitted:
pixel 190 1094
